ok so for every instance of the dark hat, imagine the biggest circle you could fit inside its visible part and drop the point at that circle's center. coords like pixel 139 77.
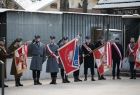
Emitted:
pixel 87 37
pixel 116 38
pixel 65 38
pixel 37 36
pixel 18 40
pixel 52 37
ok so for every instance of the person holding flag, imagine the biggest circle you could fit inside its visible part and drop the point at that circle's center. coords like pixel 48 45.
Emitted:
pixel 38 52
pixel 52 61
pixel 87 50
pixel 131 57
pixel 117 56
pixel 11 50
pixel 64 77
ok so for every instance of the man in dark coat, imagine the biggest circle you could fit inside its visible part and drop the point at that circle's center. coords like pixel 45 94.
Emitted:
pixel 52 61
pixel 3 56
pixel 76 73
pixel 131 57
pixel 38 53
pixel 87 50
pixel 64 77
pixel 97 44
pixel 117 56
pixel 14 46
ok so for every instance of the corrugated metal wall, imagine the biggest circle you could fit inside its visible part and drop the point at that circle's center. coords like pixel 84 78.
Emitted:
pixel 84 23
pixel 28 24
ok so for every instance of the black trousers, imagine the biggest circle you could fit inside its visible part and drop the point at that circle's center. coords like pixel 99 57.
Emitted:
pixel 116 63
pixel 91 70
pixel 132 70
pixel 36 74
pixel 76 74
pixel 63 75
pixel 54 74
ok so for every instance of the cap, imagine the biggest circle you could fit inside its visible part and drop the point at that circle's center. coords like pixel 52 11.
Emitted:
pixel 18 40
pixel 87 37
pixel 1 39
pixel 65 38
pixel 52 37
pixel 116 38
pixel 37 36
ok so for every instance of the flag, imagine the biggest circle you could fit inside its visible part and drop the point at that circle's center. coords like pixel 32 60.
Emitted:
pixel 69 56
pixel 99 55
pixel 109 54
pixel 21 58
pixel 137 53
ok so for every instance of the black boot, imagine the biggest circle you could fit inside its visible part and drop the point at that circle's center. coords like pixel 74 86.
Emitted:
pixel 102 77
pixel 53 80
pixel 19 82
pixel 35 81
pixel 66 79
pixel 38 82
pixel 16 82
pixel 92 78
pixel 85 78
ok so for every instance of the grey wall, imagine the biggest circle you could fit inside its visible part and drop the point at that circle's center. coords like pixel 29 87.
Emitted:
pixel 26 25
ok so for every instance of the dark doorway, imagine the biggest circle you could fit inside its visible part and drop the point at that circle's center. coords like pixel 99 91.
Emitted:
pixel 132 29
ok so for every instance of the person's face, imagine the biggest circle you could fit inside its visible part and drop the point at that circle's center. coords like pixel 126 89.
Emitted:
pixel 117 41
pixel 132 40
pixel 2 43
pixel 52 41
pixel 88 40
pixel 65 41
pixel 38 40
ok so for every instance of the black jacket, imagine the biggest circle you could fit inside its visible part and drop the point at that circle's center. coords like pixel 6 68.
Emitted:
pixel 115 54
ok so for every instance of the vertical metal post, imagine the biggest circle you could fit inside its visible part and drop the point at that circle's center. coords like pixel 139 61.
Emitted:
pixel 2 78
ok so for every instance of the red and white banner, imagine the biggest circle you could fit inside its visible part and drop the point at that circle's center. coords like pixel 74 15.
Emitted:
pixel 103 56
pixel 67 54
pixel 137 54
pixel 99 55
pixel 21 58
pixel 109 54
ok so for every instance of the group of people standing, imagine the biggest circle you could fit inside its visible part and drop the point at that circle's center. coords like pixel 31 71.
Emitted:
pixel 40 51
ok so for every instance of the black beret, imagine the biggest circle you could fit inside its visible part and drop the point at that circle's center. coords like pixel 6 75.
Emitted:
pixel 65 38
pixel 116 38
pixel 52 37
pixel 37 36
pixel 87 37
pixel 18 39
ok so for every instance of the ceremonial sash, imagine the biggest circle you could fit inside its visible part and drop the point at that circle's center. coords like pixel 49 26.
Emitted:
pixel 52 53
pixel 3 49
pixel 118 50
pixel 87 48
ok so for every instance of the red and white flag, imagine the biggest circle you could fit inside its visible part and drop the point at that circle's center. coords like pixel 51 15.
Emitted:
pixel 67 56
pixel 21 58
pixel 99 56
pixel 109 54
pixel 137 54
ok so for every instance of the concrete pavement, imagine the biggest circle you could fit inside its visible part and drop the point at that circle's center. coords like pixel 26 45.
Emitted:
pixel 102 87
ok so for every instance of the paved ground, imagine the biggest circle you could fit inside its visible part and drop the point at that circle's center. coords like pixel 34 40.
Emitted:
pixel 107 87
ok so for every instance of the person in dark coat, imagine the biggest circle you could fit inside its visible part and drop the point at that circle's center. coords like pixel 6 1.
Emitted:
pixel 38 52
pixel 87 50
pixel 3 56
pixel 52 61
pixel 117 56
pixel 131 57
pixel 97 44
pixel 14 46
pixel 64 77
pixel 76 73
